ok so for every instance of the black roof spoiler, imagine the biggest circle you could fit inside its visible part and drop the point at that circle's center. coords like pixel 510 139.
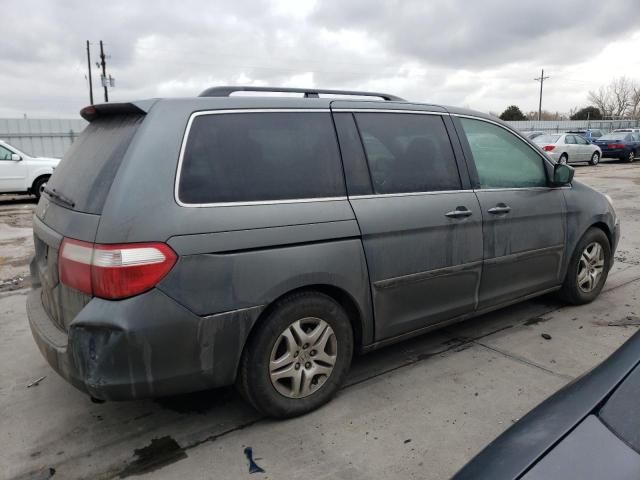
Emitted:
pixel 91 112
pixel 308 92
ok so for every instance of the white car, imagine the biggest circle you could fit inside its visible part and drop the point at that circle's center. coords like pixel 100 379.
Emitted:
pixel 22 173
pixel 569 148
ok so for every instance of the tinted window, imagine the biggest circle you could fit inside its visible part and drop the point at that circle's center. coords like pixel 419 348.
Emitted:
pixel 502 159
pixel 355 164
pixel 622 137
pixel 261 156
pixel 408 152
pixel 86 172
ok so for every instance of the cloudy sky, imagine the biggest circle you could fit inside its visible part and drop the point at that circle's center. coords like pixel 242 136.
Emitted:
pixel 482 54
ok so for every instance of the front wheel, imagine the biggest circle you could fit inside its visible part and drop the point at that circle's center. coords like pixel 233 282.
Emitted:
pixel 595 158
pixel 38 185
pixel 588 268
pixel 298 356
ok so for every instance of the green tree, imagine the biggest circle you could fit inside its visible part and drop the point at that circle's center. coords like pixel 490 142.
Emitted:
pixel 512 113
pixel 587 113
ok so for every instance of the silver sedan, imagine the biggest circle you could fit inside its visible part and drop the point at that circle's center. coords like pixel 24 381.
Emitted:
pixel 569 148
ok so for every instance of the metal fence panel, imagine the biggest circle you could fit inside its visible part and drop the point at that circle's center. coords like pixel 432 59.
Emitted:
pixel 556 126
pixel 44 137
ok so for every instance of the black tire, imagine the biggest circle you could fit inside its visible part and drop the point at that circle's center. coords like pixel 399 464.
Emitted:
pixel 564 158
pixel 36 189
pixel 570 291
pixel 631 157
pixel 254 380
pixel 595 159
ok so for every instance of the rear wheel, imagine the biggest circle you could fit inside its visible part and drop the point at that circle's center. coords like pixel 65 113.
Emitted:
pixel 298 357
pixel 631 157
pixel 38 185
pixel 588 268
pixel 595 158
pixel 564 158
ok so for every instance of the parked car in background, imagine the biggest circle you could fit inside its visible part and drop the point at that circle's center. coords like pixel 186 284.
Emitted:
pixel 22 173
pixel 532 134
pixel 589 430
pixel 589 134
pixel 190 243
pixel 627 130
pixel 569 148
pixel 621 145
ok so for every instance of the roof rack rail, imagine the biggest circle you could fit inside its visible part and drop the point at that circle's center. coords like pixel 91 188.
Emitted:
pixel 308 92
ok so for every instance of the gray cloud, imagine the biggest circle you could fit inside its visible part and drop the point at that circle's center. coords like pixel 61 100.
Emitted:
pixel 482 53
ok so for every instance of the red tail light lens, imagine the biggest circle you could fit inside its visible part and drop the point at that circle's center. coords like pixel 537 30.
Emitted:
pixel 548 148
pixel 113 271
pixel 616 145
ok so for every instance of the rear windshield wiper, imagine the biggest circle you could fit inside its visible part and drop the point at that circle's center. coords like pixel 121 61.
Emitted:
pixel 59 197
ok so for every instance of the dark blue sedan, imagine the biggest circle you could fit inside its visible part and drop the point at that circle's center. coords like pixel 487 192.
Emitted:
pixel 622 145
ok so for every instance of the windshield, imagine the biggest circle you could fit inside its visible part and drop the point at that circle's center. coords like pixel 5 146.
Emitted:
pixel 546 139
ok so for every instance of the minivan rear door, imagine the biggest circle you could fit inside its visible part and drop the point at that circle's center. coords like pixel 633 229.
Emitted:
pixel 72 204
pixel 420 223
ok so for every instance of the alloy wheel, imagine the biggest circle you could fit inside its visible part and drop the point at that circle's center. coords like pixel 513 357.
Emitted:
pixel 590 267
pixel 303 357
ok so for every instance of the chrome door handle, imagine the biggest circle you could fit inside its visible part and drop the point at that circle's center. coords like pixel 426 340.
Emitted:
pixel 500 209
pixel 459 212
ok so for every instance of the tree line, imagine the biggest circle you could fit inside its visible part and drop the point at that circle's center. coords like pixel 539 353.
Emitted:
pixel 618 100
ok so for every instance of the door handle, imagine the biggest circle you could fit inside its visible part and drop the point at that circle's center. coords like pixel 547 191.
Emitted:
pixel 500 209
pixel 459 212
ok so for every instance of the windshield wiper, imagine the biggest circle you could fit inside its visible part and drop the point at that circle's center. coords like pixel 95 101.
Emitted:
pixel 59 197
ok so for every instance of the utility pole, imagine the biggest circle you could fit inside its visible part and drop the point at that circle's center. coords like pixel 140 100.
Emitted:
pixel 542 78
pixel 104 72
pixel 89 68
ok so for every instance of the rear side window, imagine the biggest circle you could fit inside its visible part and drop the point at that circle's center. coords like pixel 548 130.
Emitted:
pixel 502 159
pixel 86 172
pixel 244 157
pixel 408 152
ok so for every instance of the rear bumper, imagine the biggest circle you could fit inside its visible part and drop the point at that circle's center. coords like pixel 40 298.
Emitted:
pixel 618 153
pixel 145 346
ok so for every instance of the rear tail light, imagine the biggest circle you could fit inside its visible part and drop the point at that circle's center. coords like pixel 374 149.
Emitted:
pixel 616 145
pixel 548 148
pixel 113 271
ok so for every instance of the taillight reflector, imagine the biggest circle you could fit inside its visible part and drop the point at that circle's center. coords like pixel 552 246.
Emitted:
pixel 548 148
pixel 113 271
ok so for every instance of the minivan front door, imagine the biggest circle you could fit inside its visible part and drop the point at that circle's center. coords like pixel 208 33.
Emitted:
pixel 524 219
pixel 421 231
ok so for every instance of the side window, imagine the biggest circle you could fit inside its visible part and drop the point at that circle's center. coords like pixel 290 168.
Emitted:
pixel 502 159
pixel 244 157
pixel 4 153
pixel 580 140
pixel 569 139
pixel 408 152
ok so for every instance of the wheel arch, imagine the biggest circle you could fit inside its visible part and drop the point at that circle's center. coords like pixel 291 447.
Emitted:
pixel 37 179
pixel 344 299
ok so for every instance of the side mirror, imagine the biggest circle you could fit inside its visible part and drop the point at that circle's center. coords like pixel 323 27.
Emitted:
pixel 562 174
pixel 15 157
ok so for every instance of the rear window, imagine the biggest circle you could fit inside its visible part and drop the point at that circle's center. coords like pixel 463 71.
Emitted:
pixel 86 172
pixel 242 157
pixel 616 136
pixel 546 139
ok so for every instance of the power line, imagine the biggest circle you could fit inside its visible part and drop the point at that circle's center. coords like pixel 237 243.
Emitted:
pixel 542 78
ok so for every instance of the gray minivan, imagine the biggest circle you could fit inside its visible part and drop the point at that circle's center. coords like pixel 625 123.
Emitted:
pixel 185 244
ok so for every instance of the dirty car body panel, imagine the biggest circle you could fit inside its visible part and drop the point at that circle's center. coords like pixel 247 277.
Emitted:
pixel 398 261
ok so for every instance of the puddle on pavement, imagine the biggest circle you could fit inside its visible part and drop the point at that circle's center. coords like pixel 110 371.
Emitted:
pixel 159 453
